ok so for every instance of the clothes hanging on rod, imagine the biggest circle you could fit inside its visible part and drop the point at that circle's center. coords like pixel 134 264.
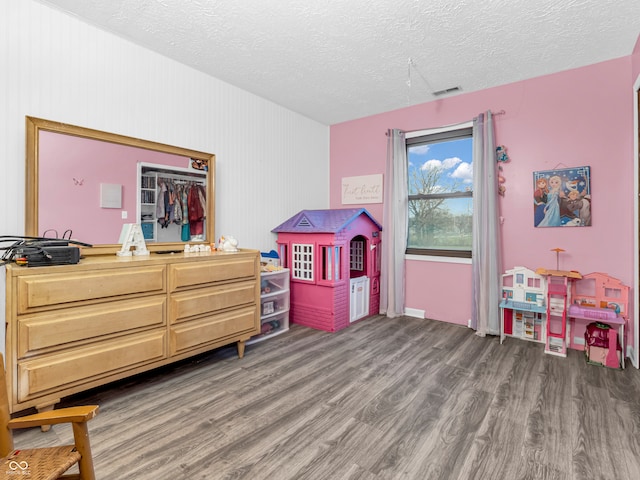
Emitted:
pixel 181 204
pixel 180 199
pixel 197 209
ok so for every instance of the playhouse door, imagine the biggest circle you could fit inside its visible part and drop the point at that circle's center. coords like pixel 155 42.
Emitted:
pixel 359 298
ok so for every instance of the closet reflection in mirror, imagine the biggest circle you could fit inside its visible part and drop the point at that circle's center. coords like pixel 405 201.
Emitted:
pixel 73 174
pixel 173 202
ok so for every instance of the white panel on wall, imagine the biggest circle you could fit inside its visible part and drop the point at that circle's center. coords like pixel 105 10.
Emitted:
pixel 271 162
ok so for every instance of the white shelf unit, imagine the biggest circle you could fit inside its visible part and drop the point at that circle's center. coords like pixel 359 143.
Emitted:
pixel 148 183
pixel 274 304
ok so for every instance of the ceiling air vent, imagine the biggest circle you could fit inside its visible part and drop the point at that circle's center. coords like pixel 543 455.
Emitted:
pixel 447 90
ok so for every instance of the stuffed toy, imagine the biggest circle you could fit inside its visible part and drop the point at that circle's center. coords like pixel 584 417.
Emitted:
pixel 501 157
pixel 501 154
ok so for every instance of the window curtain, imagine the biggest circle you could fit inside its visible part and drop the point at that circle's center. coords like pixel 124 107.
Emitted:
pixel 486 248
pixel 395 221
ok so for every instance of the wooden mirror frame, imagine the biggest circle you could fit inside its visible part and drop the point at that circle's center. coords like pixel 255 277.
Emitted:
pixel 33 128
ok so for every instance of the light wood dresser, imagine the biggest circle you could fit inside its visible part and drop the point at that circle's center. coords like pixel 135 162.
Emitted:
pixel 74 327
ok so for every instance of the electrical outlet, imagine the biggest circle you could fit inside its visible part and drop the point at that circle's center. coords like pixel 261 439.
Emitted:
pixel 124 214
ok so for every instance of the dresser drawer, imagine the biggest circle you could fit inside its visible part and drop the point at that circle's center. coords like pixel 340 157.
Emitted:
pixel 58 289
pixel 51 373
pixel 200 273
pixel 212 329
pixel 61 329
pixel 194 303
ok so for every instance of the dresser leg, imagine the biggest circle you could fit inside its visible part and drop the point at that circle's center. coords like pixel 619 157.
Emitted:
pixel 46 408
pixel 240 348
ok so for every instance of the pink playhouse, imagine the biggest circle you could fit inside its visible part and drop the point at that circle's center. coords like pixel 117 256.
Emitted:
pixel 334 262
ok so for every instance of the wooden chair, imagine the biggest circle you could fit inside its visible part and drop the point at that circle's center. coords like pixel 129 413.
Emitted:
pixel 45 463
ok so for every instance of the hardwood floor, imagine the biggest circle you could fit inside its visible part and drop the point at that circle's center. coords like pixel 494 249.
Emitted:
pixel 383 399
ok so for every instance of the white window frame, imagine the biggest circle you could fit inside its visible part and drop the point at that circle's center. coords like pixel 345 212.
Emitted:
pixel 434 254
pixel 302 261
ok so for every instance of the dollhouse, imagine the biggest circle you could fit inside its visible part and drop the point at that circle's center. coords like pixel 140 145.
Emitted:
pixel 334 262
pixel 599 302
pixel 522 308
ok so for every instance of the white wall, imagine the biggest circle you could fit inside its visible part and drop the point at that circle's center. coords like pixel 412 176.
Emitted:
pixel 271 162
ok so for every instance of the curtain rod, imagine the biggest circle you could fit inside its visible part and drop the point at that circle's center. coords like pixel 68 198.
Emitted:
pixel 500 112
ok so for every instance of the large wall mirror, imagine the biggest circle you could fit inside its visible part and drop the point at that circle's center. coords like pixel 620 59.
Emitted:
pixel 85 184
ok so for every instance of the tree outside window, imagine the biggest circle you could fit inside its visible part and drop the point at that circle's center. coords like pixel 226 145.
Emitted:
pixel 440 175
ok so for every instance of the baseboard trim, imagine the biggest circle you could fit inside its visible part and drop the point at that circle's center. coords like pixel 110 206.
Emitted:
pixel 414 312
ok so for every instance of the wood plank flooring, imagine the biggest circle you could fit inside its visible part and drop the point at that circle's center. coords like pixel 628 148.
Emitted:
pixel 383 399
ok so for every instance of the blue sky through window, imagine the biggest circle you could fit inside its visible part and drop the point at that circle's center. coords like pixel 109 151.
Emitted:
pixel 454 157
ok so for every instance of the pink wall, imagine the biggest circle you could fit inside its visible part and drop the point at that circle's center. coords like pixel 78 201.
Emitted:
pixel 635 59
pixel 68 204
pixel 578 117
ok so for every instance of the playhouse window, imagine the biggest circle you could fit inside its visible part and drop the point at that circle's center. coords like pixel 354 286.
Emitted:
pixel 440 174
pixel 284 258
pixel 377 259
pixel 302 261
pixel 357 255
pixel 327 263
pixel 330 263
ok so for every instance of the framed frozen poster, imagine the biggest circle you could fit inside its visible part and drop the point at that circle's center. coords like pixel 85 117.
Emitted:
pixel 562 197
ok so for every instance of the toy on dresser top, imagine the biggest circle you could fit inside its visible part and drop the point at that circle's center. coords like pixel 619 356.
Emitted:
pixel 225 244
pixel 196 248
pixel 228 243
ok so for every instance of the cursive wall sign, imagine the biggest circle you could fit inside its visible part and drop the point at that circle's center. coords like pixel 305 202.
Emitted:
pixel 362 189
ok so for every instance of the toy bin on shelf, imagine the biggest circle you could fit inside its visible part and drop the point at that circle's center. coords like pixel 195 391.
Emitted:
pixel 274 304
pixel 272 325
pixel 274 282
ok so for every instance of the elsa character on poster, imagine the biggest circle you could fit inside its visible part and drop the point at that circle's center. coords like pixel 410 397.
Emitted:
pixel 552 208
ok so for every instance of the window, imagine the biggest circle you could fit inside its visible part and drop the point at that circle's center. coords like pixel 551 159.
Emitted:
pixel 327 263
pixel 377 258
pixel 440 174
pixel 330 263
pixel 284 258
pixel 302 262
pixel 357 255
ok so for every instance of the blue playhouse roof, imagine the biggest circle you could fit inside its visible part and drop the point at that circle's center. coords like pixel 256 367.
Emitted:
pixel 322 221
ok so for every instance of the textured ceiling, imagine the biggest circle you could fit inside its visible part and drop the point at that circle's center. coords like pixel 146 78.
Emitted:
pixel 338 60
